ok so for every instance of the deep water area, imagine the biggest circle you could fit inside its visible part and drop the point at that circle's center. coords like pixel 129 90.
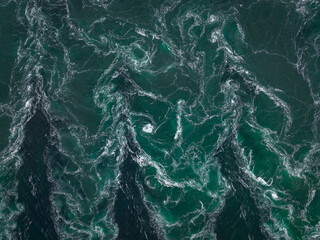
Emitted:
pixel 160 119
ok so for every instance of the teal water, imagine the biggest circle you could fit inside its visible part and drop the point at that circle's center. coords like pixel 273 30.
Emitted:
pixel 131 119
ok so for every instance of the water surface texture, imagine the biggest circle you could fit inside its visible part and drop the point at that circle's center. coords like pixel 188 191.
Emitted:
pixel 160 119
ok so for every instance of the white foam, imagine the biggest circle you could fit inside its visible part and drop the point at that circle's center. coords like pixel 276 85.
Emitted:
pixel 274 196
pixel 169 183
pixel 142 160
pixel 28 104
pixel 141 32
pixel 257 179
pixel 213 19
pixel 215 36
pixel 179 128
pixel 148 128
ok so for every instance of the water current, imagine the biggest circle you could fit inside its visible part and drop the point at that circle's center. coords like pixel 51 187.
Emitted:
pixel 160 119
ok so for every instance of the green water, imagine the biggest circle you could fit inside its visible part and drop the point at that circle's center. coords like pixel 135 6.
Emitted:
pixel 131 119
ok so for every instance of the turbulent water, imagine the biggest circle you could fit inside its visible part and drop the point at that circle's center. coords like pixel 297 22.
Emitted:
pixel 160 119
